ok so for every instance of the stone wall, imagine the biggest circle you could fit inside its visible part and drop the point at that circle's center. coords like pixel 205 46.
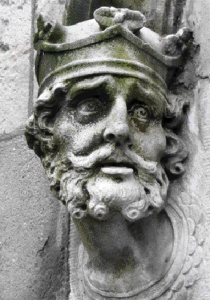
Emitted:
pixel 34 225
pixel 197 18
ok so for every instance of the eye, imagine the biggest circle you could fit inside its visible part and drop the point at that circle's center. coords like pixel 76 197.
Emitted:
pixel 139 115
pixel 89 110
pixel 89 106
pixel 139 112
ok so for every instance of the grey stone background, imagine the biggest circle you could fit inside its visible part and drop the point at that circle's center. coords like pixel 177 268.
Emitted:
pixel 34 225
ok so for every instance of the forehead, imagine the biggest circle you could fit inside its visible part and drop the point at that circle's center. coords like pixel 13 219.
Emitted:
pixel 128 87
pixel 109 82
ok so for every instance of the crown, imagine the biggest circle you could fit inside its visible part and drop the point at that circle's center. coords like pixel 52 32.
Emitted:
pixel 114 42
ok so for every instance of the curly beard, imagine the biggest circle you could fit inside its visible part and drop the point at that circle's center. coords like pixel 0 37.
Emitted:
pixel 87 191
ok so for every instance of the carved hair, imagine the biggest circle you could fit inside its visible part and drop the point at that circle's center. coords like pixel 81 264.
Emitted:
pixel 39 130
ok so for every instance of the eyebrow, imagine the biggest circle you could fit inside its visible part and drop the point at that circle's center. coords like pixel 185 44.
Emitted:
pixel 91 84
pixel 154 98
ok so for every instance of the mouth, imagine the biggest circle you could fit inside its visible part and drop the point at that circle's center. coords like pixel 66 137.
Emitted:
pixel 118 168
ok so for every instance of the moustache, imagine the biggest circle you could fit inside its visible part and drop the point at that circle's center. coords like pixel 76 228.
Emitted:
pixel 151 190
pixel 108 154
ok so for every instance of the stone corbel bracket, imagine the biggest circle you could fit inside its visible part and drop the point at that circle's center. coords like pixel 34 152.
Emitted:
pixel 166 54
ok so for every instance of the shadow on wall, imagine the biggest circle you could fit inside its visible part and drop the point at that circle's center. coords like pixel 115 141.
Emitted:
pixel 163 16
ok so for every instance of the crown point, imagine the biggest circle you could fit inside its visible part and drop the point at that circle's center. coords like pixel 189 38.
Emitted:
pixel 110 16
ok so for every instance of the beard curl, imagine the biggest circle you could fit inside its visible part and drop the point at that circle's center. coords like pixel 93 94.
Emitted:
pixel 86 191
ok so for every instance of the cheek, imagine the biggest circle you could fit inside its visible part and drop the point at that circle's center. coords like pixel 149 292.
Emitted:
pixel 151 144
pixel 78 139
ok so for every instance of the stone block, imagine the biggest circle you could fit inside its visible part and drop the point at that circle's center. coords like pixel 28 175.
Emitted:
pixel 15 31
pixel 196 17
pixel 33 229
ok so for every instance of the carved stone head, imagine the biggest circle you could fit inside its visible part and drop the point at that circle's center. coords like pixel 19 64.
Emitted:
pixel 103 128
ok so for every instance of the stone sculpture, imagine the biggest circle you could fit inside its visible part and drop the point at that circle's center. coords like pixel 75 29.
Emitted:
pixel 104 127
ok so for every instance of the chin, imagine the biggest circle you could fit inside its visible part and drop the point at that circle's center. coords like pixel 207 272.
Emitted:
pixel 100 195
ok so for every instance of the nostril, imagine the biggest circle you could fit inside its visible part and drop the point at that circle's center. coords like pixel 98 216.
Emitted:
pixel 110 137
pixel 129 143
pixel 118 144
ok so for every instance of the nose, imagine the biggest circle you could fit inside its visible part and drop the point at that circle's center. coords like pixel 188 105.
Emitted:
pixel 117 128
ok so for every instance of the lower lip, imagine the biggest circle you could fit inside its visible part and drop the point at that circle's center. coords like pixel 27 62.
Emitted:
pixel 117 170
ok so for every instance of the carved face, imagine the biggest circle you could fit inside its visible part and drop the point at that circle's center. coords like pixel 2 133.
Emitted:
pixel 110 109
pixel 110 129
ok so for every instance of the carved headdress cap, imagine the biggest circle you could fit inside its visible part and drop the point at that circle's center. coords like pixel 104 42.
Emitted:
pixel 115 42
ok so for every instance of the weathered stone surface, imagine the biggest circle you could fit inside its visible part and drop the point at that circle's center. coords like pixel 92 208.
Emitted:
pixel 111 143
pixel 15 31
pixel 202 114
pixel 32 229
pixel 162 16
pixel 53 8
pixel 31 241
pixel 196 16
